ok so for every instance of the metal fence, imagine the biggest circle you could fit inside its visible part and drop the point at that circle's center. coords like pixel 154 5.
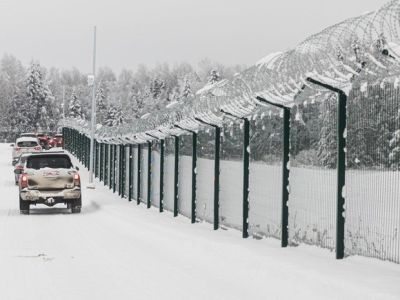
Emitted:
pixel 163 173
pixel 303 146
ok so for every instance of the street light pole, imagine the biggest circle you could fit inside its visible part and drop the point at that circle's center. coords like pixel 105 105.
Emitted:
pixel 63 100
pixel 93 128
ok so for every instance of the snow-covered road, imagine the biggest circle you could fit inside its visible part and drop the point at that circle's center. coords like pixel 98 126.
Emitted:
pixel 118 250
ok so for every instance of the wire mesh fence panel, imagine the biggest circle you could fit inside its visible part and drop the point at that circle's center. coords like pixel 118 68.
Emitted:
pixel 135 172
pixel 372 177
pixel 185 175
pixel 155 174
pixel 313 156
pixel 143 172
pixel 265 178
pixel 169 173
pixel 205 175
pixel 231 175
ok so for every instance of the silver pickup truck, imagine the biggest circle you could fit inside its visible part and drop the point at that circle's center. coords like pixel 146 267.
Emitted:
pixel 49 178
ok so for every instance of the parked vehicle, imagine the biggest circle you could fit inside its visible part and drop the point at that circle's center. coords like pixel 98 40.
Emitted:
pixel 20 166
pixel 49 178
pixel 24 145
pixel 56 140
pixel 43 140
pixel 28 134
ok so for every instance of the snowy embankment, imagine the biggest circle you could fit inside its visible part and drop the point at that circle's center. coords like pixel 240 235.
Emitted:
pixel 118 250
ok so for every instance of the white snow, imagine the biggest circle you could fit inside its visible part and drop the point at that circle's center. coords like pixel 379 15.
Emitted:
pixel 118 250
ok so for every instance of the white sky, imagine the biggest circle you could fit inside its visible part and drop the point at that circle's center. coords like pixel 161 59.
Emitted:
pixel 59 33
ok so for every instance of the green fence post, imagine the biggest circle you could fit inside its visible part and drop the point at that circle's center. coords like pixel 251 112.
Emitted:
pixel 162 146
pixel 194 174
pixel 149 174
pixel 216 176
pixel 105 164
pixel 341 175
pixel 120 162
pixel 123 171
pixel 110 166
pixel 138 174
pixel 246 162
pixel 88 154
pixel 130 173
pixel 96 158
pixel 114 168
pixel 285 178
pixel 341 165
pixel 101 162
pixel 176 174
pixel 216 170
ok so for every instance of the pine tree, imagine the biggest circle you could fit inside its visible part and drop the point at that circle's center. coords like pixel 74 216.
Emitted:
pixel 114 117
pixel 137 105
pixel 19 110
pixel 36 97
pixel 186 91
pixel 101 107
pixel 156 88
pixel 75 108
pixel 119 117
pixel 214 77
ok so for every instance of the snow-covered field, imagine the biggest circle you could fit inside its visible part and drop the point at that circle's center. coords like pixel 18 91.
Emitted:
pixel 118 250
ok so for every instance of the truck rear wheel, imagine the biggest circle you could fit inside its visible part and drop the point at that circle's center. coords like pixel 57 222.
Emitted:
pixel 23 207
pixel 76 206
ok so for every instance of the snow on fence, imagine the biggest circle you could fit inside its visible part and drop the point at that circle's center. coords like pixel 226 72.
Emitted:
pixel 304 146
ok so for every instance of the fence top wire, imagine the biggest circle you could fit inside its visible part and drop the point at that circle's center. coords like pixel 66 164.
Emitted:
pixel 360 49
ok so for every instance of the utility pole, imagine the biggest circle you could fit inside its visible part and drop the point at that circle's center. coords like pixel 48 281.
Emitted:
pixel 93 128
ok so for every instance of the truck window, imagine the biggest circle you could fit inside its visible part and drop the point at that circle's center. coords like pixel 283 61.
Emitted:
pixel 27 144
pixel 51 161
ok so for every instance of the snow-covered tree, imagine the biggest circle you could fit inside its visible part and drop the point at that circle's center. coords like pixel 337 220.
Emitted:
pixel 214 77
pixel 186 90
pixel 137 104
pixel 101 107
pixel 75 108
pixel 39 98
pixel 114 117
pixel 156 88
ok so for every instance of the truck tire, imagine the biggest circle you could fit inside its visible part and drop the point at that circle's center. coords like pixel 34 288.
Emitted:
pixel 23 207
pixel 76 206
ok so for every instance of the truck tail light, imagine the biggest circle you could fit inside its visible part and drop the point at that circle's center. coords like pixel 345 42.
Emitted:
pixel 24 181
pixel 38 148
pixel 77 179
pixel 17 148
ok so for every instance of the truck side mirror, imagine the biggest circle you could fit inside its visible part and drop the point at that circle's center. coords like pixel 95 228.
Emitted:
pixel 12 145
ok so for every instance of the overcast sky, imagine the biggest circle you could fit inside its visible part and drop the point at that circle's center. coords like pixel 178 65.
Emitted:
pixel 130 32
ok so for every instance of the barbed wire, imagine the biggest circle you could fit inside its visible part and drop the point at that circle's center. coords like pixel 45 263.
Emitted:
pixel 363 48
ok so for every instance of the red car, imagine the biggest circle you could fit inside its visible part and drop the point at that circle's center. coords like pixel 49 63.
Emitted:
pixel 43 140
pixel 56 141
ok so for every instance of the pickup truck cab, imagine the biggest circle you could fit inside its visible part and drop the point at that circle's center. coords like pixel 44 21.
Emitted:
pixel 49 178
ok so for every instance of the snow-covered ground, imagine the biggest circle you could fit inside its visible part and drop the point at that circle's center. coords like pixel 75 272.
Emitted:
pixel 118 250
